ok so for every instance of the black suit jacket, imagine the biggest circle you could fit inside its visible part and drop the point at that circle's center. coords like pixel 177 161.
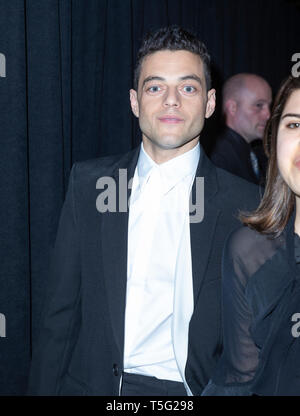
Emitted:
pixel 232 153
pixel 80 347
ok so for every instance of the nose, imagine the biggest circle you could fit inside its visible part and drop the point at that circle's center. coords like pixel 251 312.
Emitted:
pixel 172 98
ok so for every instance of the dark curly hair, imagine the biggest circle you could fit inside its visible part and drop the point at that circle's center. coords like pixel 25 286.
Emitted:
pixel 172 38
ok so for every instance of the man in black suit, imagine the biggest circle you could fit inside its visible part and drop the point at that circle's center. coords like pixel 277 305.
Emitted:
pixel 134 298
pixel 246 108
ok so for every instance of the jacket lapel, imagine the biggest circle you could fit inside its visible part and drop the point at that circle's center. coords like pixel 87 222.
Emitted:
pixel 201 238
pixel 114 247
pixel 202 233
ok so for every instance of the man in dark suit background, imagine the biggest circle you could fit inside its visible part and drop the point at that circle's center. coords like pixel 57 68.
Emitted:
pixel 246 107
pixel 133 299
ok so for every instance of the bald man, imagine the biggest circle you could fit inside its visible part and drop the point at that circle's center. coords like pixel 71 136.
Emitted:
pixel 246 108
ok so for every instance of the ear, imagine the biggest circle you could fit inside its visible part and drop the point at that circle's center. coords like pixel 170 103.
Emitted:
pixel 134 102
pixel 230 107
pixel 211 103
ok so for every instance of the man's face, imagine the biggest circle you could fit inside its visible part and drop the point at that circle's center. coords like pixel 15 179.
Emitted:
pixel 171 102
pixel 253 109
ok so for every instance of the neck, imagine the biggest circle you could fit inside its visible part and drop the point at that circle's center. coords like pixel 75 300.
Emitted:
pixel 161 155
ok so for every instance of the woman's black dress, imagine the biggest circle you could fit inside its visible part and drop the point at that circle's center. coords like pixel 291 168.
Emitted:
pixel 261 316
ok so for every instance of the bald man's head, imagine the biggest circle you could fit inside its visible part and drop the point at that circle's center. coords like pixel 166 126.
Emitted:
pixel 246 105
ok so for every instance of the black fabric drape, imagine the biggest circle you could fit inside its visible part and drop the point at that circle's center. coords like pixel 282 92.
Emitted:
pixel 65 98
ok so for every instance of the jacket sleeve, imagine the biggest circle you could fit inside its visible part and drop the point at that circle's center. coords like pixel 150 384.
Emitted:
pixel 60 313
pixel 238 363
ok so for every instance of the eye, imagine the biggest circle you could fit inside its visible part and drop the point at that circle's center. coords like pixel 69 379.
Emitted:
pixel 259 105
pixel 293 125
pixel 154 88
pixel 189 89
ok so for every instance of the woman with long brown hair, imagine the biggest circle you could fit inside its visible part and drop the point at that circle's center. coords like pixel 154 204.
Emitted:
pixel 261 272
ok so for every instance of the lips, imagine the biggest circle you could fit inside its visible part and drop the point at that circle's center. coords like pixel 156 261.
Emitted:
pixel 170 119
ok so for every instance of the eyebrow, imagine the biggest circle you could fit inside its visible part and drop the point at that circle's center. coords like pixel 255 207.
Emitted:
pixel 290 115
pixel 184 78
pixel 192 76
pixel 262 100
pixel 152 78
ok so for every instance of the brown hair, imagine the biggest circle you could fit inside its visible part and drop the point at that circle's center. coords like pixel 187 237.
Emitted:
pixel 277 204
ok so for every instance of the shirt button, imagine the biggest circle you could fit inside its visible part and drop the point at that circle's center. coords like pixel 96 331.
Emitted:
pixel 115 369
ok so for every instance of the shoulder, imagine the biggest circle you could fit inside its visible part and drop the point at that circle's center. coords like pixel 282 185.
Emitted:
pixel 97 165
pixel 225 143
pixel 248 250
pixel 90 170
pixel 226 179
pixel 222 154
pixel 242 240
pixel 237 191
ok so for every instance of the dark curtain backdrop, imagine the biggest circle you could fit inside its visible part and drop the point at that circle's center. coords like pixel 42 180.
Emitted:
pixel 69 67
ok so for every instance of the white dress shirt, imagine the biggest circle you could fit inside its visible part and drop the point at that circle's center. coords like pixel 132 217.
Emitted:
pixel 159 255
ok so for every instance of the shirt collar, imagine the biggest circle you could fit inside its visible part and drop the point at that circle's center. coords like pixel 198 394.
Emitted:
pixel 172 171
